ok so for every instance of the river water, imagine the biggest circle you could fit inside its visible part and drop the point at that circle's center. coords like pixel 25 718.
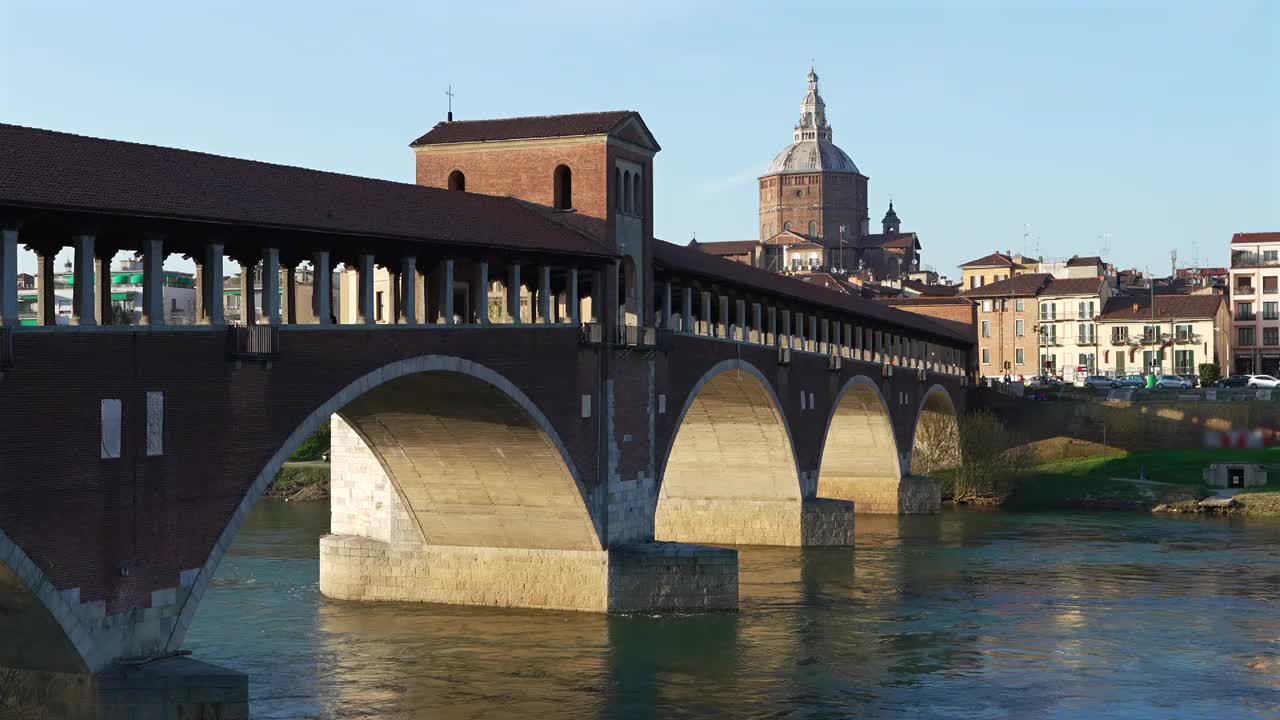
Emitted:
pixel 963 615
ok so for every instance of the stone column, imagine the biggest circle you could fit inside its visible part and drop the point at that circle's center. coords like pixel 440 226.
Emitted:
pixel 835 347
pixel 321 287
pixel 785 333
pixel 82 295
pixel 800 338
pixel 270 286
pixel 102 283
pixel 46 301
pixel 848 340
pixel 408 290
pixel 8 277
pixel 824 336
pixel 544 294
pixel 209 295
pixel 667 310
pixel 480 293
pixel 290 296
pixel 741 318
pixel 686 311
pixel 706 314
pixel 773 326
pixel 575 305
pixel 248 291
pixel 813 334
pixel 446 291
pixel 364 300
pixel 513 293
pixel 724 316
pixel 757 324
pixel 395 317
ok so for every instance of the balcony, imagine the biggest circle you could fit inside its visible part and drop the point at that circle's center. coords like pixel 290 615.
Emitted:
pixel 1246 317
pixel 1246 260
pixel 1120 340
pixel 1187 338
pixel 1243 290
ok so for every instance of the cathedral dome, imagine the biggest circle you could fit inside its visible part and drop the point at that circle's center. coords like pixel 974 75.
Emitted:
pixel 808 156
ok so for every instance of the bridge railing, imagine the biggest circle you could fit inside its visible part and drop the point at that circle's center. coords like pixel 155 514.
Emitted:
pixel 628 336
pixel 253 342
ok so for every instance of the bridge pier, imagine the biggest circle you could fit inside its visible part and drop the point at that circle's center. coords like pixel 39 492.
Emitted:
pixel 812 522
pixel 175 687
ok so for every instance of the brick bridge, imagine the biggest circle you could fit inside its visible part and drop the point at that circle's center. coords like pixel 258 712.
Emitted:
pixel 563 406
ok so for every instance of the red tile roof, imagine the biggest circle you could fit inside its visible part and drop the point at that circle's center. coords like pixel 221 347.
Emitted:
pixel 1256 237
pixel 47 169
pixel 1027 284
pixel 1085 261
pixel 1168 307
pixel 931 290
pixel 536 126
pixel 996 259
pixel 688 260
pixel 1073 286
pixel 726 247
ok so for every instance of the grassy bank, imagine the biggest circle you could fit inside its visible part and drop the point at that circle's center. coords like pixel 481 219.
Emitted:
pixel 1139 480
pixel 301 481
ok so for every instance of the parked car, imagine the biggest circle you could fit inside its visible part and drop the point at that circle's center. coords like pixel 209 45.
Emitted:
pixel 1263 381
pixel 1173 382
pixel 1131 381
pixel 1233 381
pixel 1099 382
pixel 1044 381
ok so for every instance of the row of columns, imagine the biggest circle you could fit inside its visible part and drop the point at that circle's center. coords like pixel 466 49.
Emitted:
pixel 796 331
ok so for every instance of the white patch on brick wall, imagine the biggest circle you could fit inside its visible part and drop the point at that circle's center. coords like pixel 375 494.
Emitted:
pixel 802 396
pixel 110 429
pixel 155 423
pixel 812 405
pixel 586 406
pixel 662 404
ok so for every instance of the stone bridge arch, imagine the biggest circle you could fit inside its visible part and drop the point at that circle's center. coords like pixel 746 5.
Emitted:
pixel 729 474
pixel 491 431
pixel 42 631
pixel 935 435
pixel 860 460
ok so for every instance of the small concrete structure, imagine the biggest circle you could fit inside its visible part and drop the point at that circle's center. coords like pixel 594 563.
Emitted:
pixel 1235 475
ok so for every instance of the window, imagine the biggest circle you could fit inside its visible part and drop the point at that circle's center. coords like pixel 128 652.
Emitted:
pixel 986 356
pixel 1271 311
pixel 173 305
pixel 1184 362
pixel 1119 335
pixel 1244 311
pixel 1244 285
pixel 1269 285
pixel 1085 310
pixel 1182 332
pixel 1085 334
pixel 1020 328
pixel 1271 336
pixel 637 195
pixel 1019 305
pixel 786 227
pixel 1086 362
pixel 563 182
pixel 1244 336
pixel 1152 361
pixel 1270 256
pixel 1049 334
pixel 1019 356
pixel 1150 333
pixel 973 281
pixel 813 229
pixel 457 181
pixel 1048 311
pixel 986 306
pixel 986 328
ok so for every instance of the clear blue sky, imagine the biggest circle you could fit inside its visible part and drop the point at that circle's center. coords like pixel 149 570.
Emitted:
pixel 1155 122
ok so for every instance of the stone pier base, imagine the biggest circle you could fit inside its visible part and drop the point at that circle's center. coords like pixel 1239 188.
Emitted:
pixel 788 523
pixel 178 687
pixel 653 576
pixel 911 495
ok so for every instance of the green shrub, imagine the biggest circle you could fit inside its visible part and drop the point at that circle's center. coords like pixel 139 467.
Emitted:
pixel 313 448
pixel 991 459
pixel 1209 374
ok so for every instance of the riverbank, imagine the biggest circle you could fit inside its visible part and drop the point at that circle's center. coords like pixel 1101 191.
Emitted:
pixel 299 481
pixel 1147 481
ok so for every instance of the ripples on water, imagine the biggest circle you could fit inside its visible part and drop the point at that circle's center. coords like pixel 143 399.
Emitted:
pixel 967 615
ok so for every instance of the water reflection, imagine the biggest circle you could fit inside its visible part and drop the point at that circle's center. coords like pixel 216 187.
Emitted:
pixel 956 616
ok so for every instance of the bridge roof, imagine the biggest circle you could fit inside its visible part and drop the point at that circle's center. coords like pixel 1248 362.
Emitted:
pixel 693 261
pixel 53 170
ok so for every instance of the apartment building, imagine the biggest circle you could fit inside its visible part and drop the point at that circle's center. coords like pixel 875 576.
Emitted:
pixel 1007 316
pixel 992 268
pixel 1255 303
pixel 1175 335
pixel 1068 332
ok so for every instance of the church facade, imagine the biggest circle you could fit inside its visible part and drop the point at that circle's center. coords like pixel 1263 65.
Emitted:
pixel 814 213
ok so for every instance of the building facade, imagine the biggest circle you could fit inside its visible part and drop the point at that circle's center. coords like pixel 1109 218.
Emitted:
pixel 1007 322
pixel 1255 303
pixel 1068 331
pixel 1164 334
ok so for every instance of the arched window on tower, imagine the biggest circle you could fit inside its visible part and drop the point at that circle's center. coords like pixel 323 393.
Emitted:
pixel 813 229
pixel 457 181
pixel 626 192
pixel 786 227
pixel 617 189
pixel 563 179
pixel 637 195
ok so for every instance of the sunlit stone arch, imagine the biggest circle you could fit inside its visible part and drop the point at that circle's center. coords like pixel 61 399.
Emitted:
pixel 860 460
pixel 729 474
pixel 384 407
pixel 40 627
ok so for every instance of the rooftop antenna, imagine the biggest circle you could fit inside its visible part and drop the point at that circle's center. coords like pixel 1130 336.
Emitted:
pixel 449 93
pixel 1173 263
pixel 1104 240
